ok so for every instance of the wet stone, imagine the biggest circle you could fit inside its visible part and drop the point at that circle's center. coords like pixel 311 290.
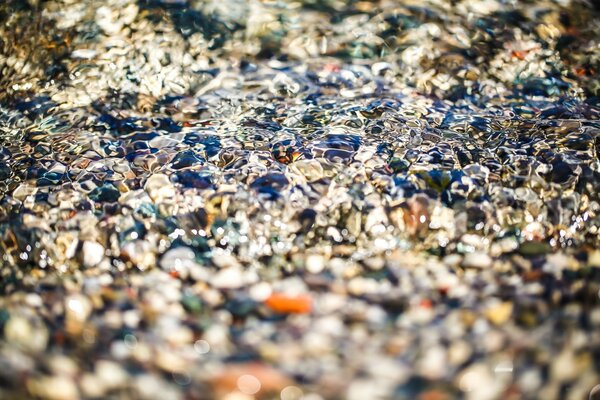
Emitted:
pixel 105 193
pixel 299 200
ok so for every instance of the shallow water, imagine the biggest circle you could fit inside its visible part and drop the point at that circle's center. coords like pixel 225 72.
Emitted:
pixel 314 200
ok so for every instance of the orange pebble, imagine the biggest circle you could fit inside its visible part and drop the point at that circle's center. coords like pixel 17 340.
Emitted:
pixel 519 54
pixel 285 304
pixel 433 395
pixel 426 303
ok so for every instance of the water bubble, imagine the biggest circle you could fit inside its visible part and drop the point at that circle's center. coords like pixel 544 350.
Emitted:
pixel 201 346
pixel 248 384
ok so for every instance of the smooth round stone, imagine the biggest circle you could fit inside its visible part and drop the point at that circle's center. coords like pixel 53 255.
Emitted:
pixel 77 307
pixel 505 245
pixel 261 291
pixel 159 188
pixel 375 222
pixel 33 300
pixel 375 263
pixel 359 286
pixel 140 253
pixel 23 191
pixel 92 253
pixel 53 388
pixel 477 171
pixel 477 260
pixel 20 332
pixel 478 382
pixel 63 365
pixel 459 352
pixel 594 258
pixel 179 335
pixel 223 260
pixel 310 169
pixel 228 278
pixel 92 386
pixel 361 389
pixel 534 248
pixel 111 374
pixel 179 259
pixel 530 380
pixel 119 350
pixel 499 313
pixel 452 260
pixel 170 361
pixel 105 193
pixel 152 387
pixel 177 256
pixel 433 364
pixel 315 263
pixel 564 366
pixel 218 337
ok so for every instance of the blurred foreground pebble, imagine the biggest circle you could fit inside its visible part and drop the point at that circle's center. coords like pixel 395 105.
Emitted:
pixel 299 200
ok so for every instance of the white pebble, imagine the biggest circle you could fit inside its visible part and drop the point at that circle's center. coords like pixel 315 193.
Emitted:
pixel 93 253
pixel 315 263
pixel 477 260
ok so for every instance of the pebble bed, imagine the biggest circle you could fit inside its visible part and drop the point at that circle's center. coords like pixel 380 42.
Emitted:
pixel 299 200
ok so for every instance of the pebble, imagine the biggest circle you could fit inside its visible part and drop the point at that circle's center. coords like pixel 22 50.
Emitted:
pixel 21 332
pixel 228 278
pixel 594 259
pixel 78 307
pixel 159 188
pixel 140 253
pixel 284 304
pixel 110 374
pixel 313 200
pixel 499 313
pixel 433 364
pixel 477 260
pixel 53 388
pixel 152 387
pixel 452 260
pixel 62 365
pixel 260 291
pixel 170 362
pixel 315 263
pixel 564 367
pixel 91 386
pixel 179 259
pixel 530 381
pixel 477 382
pixel 223 260
pixel 93 253
pixel 459 352
pixel 375 263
